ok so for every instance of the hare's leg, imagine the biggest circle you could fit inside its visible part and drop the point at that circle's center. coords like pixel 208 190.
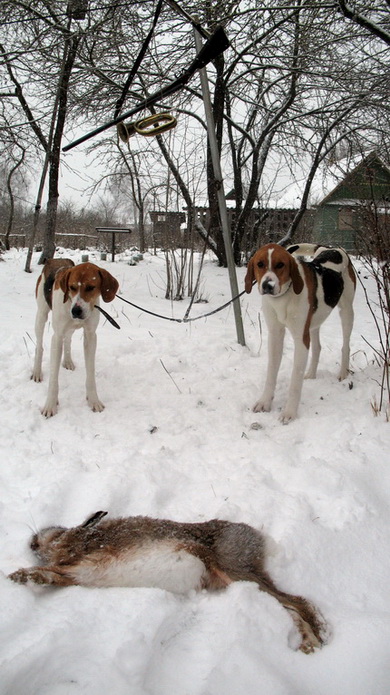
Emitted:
pixel 240 556
pixel 43 575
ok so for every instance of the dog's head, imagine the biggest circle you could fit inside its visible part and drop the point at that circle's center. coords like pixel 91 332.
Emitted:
pixel 274 270
pixel 83 285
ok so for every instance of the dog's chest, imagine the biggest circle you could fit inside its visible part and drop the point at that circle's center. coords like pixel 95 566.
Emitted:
pixel 286 308
pixel 155 564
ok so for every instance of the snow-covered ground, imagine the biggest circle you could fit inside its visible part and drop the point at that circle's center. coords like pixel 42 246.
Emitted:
pixel 178 439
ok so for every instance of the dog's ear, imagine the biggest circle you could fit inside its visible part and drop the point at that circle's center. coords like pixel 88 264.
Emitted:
pixel 249 277
pixel 109 286
pixel 64 282
pixel 297 281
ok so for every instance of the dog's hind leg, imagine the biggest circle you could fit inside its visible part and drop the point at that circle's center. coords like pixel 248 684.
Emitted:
pixel 67 361
pixel 315 346
pixel 346 316
pixel 301 354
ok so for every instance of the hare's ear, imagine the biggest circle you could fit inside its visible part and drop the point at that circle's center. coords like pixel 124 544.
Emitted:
pixel 296 278
pixel 64 282
pixel 109 286
pixel 94 519
pixel 249 277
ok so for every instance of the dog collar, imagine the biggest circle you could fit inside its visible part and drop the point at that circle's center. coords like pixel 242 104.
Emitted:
pixel 284 291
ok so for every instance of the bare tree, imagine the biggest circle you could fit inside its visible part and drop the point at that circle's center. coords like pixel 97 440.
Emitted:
pixel 298 80
pixel 374 247
pixel 374 19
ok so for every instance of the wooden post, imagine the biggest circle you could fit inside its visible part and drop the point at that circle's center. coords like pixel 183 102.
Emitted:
pixel 113 247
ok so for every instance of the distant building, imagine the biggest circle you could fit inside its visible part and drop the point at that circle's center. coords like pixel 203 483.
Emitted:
pixel 167 228
pixel 264 225
pixel 274 222
pixel 340 217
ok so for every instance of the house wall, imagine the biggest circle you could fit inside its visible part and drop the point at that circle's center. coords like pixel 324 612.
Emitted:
pixel 339 219
pixel 336 225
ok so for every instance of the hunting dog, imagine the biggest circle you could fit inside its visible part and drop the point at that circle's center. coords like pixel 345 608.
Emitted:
pixel 179 557
pixel 72 292
pixel 300 294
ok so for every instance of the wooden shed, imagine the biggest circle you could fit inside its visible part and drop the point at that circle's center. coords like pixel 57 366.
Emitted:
pixel 167 228
pixel 339 217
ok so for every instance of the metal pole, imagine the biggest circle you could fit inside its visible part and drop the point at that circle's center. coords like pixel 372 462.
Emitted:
pixel 220 195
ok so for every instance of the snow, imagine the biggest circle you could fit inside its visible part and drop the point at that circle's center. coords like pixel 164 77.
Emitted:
pixel 178 439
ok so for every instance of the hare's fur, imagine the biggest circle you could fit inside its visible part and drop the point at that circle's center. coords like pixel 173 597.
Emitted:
pixel 141 551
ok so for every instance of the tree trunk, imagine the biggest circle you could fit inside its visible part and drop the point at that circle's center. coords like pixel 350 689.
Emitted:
pixel 11 200
pixel 49 246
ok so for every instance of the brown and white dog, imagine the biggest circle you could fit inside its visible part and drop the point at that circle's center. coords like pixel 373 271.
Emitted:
pixel 71 292
pixel 300 294
pixel 179 557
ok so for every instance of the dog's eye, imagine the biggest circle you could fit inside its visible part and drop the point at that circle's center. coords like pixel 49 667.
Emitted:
pixel 74 288
pixel 260 264
pixel 89 288
pixel 279 265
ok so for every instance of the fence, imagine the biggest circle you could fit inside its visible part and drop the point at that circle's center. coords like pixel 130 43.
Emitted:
pixel 101 241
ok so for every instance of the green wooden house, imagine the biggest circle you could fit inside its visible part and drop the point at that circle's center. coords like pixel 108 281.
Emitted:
pixel 339 217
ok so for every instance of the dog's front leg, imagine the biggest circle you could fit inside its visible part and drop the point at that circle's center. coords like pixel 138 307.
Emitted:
pixel 301 354
pixel 40 322
pixel 275 352
pixel 51 405
pixel 89 354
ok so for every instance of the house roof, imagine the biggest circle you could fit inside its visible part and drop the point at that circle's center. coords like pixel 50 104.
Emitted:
pixel 371 159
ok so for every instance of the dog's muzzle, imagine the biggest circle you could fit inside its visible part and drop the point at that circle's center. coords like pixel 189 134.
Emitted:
pixel 77 312
pixel 267 287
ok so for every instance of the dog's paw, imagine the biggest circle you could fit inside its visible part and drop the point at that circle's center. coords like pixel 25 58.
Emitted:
pixel 49 410
pixel 287 416
pixel 95 405
pixel 69 364
pixel 36 376
pixel 262 406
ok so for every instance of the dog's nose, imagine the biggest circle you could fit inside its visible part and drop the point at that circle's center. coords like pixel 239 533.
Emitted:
pixel 77 312
pixel 268 287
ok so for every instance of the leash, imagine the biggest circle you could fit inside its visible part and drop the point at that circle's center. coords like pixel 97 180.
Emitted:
pixel 108 317
pixel 186 318
pixel 183 320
